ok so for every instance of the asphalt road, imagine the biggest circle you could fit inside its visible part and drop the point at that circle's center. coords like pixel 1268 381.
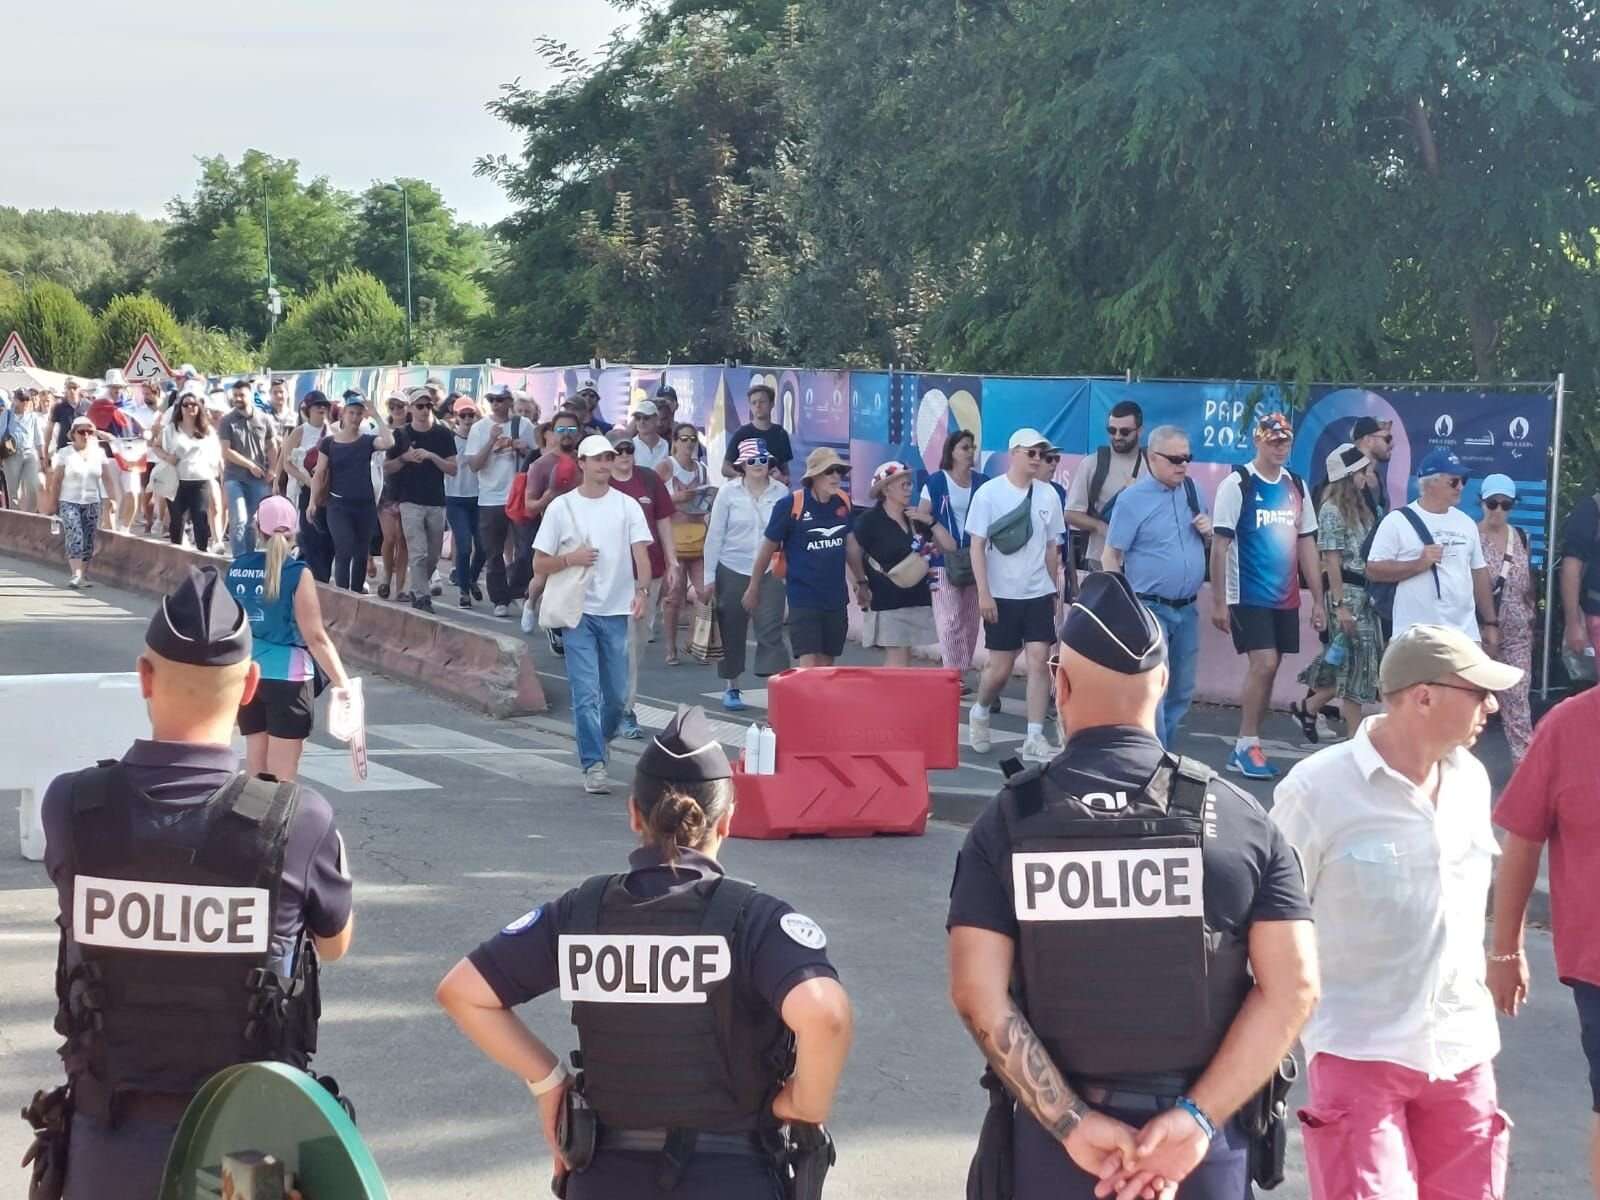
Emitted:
pixel 466 823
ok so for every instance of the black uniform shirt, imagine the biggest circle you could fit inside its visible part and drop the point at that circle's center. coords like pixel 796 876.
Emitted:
pixel 315 891
pixel 520 962
pixel 1251 873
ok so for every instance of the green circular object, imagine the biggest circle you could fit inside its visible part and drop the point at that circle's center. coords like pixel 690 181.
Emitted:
pixel 277 1110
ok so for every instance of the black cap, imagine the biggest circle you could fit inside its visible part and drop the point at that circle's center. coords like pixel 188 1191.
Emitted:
pixel 686 751
pixel 1108 625
pixel 666 389
pixel 315 398
pixel 200 623
pixel 1364 427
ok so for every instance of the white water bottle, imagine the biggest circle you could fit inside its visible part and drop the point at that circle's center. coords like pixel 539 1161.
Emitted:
pixel 752 750
pixel 767 758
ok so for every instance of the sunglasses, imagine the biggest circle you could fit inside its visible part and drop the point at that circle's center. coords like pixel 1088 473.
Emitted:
pixel 1482 694
pixel 687 437
pixel 1454 481
pixel 1122 430
pixel 1052 459
pixel 189 404
pixel 837 472
pixel 466 416
pixel 1177 460
pixel 1507 505
pixel 1033 453
pixel 80 433
pixel 565 428
pixel 624 448
pixel 1384 437
pixel 762 460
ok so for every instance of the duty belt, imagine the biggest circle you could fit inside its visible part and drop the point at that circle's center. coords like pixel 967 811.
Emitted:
pixel 1149 599
pixel 653 1141
pixel 1126 1101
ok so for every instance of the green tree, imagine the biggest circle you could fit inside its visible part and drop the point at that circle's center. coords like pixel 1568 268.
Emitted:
pixel 215 269
pixel 640 189
pixel 447 256
pixel 125 320
pixel 57 328
pixel 94 255
pixel 352 320
pixel 218 351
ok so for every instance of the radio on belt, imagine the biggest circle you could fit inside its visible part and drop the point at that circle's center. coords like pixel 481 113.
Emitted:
pixel 1108 885
pixel 642 968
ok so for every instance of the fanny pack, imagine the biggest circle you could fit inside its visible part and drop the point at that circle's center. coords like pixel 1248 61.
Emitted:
pixel 1012 531
pixel 907 573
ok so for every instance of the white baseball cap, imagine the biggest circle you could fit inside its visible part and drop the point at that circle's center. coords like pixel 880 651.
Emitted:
pixel 1027 437
pixel 645 408
pixel 595 444
pixel 115 378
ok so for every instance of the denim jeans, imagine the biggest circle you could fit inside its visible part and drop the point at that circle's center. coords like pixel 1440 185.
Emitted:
pixel 1181 627
pixel 462 512
pixel 244 497
pixel 597 670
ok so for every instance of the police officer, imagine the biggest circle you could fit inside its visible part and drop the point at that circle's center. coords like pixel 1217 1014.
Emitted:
pixel 707 1012
pixel 195 902
pixel 1130 942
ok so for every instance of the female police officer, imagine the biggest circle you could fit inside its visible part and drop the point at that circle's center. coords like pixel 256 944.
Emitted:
pixel 693 994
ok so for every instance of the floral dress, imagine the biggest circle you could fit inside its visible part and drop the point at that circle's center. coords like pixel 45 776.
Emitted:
pixel 1516 615
pixel 1355 679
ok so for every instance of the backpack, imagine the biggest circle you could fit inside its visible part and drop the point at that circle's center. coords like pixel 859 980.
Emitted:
pixel 1381 595
pixel 1097 483
pixel 1190 493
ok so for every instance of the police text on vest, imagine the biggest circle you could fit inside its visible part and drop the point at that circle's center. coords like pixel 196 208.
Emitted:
pixel 170 918
pixel 641 968
pixel 1108 885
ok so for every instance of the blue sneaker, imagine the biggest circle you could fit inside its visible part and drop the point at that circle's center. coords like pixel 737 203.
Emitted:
pixel 732 701
pixel 629 728
pixel 1252 764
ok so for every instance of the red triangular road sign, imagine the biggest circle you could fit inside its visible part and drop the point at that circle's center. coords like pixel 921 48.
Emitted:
pixel 147 364
pixel 14 354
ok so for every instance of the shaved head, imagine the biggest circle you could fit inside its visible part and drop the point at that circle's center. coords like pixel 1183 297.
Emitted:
pixel 1088 694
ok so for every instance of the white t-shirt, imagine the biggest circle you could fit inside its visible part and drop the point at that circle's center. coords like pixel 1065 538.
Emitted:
pixel 1019 576
pixel 463 485
pixel 960 501
pixel 81 480
pixel 494 479
pixel 1416 600
pixel 299 442
pixel 647 459
pixel 613 524
pixel 199 458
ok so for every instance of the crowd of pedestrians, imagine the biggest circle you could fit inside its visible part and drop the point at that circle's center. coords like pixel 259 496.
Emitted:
pixel 431 489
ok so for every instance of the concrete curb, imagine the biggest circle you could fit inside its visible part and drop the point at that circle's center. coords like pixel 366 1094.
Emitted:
pixel 487 672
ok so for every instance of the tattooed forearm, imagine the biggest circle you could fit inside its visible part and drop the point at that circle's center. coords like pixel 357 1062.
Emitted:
pixel 1020 1059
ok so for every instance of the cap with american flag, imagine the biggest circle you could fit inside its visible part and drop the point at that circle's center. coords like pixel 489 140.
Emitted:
pixel 752 448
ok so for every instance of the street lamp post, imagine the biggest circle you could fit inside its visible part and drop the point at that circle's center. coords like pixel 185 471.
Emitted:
pixel 405 209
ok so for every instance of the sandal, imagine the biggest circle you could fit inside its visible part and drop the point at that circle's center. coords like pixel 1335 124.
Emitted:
pixel 1307 719
pixel 673 659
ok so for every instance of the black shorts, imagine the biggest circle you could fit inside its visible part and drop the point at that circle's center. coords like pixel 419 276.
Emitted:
pixel 1020 622
pixel 1587 997
pixel 1264 628
pixel 281 708
pixel 818 631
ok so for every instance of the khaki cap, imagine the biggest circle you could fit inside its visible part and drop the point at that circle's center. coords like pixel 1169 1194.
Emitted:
pixel 1431 653
pixel 820 459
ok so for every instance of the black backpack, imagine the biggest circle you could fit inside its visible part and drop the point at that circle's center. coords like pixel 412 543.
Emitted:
pixel 1097 483
pixel 1381 595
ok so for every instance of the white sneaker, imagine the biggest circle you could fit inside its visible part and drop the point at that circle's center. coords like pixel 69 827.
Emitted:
pixel 978 731
pixel 500 610
pixel 75 582
pixel 1037 749
pixel 528 623
pixel 595 780
pixel 1327 731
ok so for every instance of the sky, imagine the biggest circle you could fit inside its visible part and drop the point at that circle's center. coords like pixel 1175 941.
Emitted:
pixel 357 90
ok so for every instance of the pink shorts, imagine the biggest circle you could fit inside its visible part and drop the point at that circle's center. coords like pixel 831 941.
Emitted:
pixel 1380 1131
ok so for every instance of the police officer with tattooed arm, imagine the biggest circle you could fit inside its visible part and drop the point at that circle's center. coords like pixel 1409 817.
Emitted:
pixel 1130 945
pixel 711 1026
pixel 195 902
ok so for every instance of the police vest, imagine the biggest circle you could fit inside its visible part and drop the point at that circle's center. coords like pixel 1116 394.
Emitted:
pixel 1117 970
pixel 166 973
pixel 666 1039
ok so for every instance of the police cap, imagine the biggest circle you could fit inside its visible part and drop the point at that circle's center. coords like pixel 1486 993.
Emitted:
pixel 686 751
pixel 1108 625
pixel 200 623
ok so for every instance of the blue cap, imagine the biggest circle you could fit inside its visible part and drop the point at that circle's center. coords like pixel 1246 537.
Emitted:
pixel 1498 485
pixel 1441 461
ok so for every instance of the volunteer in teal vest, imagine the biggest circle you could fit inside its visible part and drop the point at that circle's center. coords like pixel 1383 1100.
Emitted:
pixel 279 596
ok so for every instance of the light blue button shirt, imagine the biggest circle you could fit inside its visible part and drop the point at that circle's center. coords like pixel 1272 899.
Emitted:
pixel 1153 528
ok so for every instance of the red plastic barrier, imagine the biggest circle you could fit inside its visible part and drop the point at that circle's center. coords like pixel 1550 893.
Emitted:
pixel 868 710
pixel 833 795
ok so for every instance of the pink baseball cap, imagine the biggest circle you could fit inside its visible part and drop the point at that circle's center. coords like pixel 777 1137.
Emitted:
pixel 277 515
